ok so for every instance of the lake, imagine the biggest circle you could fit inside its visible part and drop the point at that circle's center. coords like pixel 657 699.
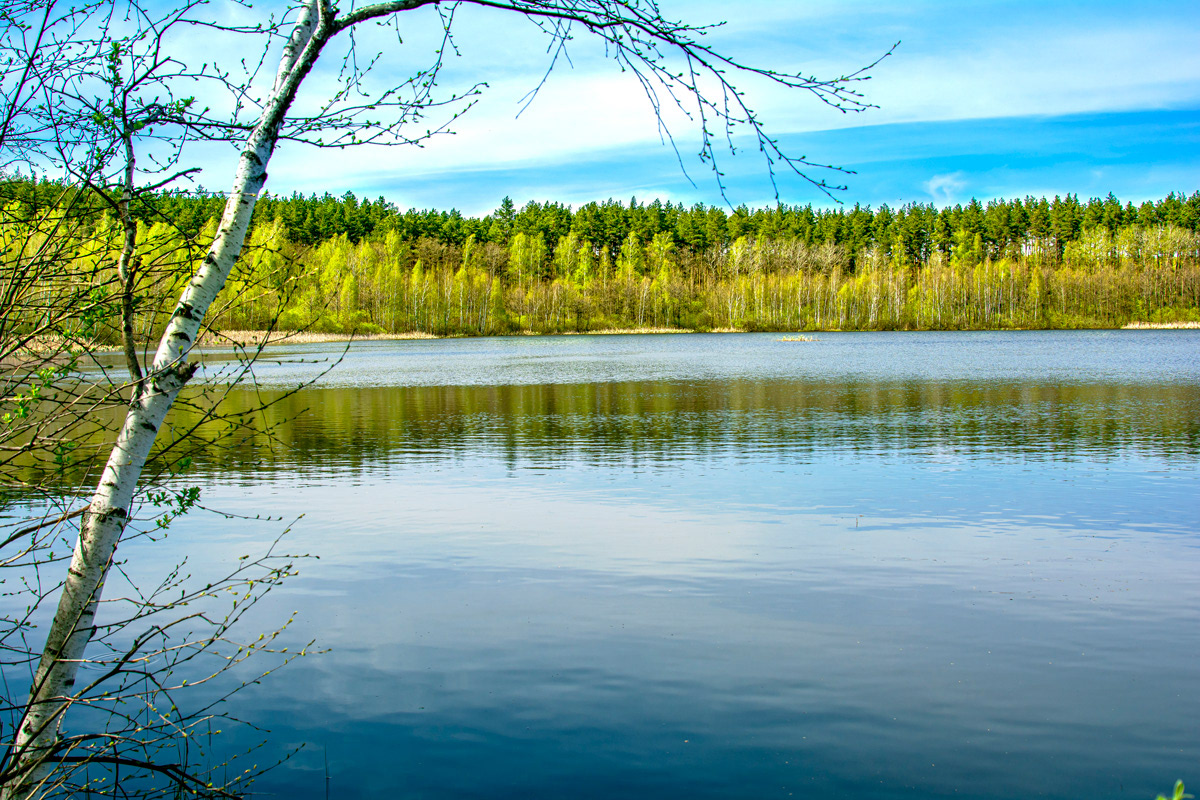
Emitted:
pixel 880 565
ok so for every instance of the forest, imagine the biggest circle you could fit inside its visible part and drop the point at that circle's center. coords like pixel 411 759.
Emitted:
pixel 340 264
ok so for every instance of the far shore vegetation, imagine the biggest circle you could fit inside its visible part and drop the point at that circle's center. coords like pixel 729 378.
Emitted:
pixel 326 268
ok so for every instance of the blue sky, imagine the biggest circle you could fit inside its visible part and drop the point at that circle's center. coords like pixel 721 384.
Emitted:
pixel 997 98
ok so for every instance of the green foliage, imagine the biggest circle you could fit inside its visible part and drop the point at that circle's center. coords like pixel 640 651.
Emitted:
pixel 174 504
pixel 21 403
pixel 1177 794
pixel 344 265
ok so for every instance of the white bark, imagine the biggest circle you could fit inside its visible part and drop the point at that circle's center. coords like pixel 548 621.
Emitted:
pixel 105 520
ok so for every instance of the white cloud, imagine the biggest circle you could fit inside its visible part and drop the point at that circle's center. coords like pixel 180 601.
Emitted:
pixel 944 189
pixel 1133 66
pixel 950 67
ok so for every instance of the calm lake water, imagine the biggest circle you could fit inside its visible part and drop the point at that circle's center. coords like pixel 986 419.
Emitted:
pixel 726 566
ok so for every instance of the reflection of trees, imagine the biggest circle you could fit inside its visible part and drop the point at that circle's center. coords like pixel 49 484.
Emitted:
pixel 344 429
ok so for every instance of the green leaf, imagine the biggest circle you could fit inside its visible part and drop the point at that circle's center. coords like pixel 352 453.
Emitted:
pixel 1178 794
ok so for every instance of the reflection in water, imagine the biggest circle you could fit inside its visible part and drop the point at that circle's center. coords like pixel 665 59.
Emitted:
pixel 330 430
pixel 831 576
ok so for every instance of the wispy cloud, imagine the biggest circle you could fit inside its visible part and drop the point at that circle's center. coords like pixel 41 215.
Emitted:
pixel 945 189
pixel 591 131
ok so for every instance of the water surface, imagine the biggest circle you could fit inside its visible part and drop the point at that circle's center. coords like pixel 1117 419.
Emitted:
pixel 726 566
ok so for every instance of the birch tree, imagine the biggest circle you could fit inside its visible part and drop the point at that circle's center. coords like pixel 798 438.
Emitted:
pixel 670 60
pixel 57 296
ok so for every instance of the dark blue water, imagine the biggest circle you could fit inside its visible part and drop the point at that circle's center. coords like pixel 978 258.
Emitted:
pixel 871 565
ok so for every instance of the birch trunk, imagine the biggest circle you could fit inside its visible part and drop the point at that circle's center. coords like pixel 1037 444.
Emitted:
pixel 32 759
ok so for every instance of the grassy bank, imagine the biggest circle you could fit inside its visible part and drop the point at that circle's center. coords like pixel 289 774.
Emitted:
pixel 254 338
pixel 1158 326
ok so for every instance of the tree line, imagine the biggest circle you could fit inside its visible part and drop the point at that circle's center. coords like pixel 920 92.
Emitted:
pixel 340 264
pixel 1005 227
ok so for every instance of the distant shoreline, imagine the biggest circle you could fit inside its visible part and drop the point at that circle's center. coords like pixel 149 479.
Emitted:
pixel 253 338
